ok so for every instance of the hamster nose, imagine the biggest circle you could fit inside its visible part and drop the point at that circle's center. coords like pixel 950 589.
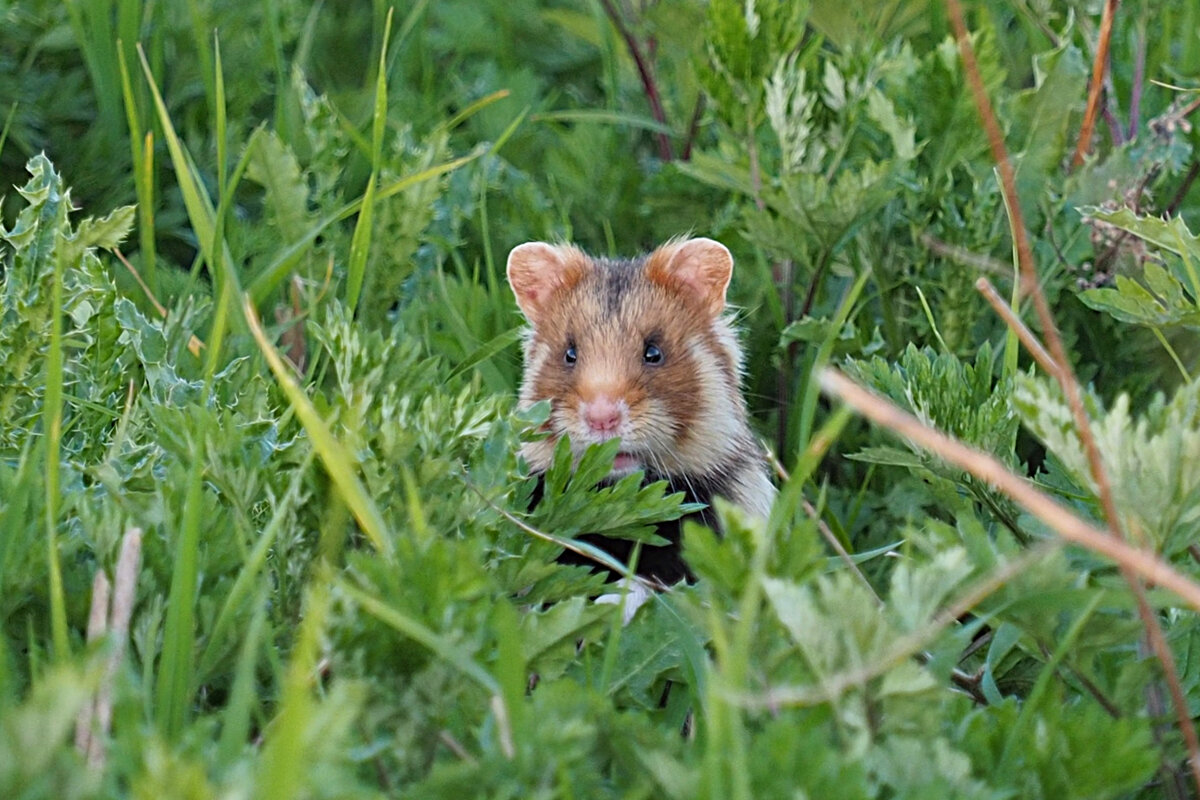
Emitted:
pixel 602 415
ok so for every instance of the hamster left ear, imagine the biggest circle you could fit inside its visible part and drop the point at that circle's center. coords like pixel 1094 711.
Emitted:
pixel 537 271
pixel 700 267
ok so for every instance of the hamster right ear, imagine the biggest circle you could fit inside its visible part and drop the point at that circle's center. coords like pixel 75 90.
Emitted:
pixel 537 271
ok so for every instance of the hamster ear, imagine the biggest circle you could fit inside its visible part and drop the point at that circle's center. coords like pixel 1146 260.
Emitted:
pixel 537 271
pixel 698 267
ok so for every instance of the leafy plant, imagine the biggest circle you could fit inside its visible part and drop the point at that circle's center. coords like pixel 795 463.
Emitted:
pixel 292 367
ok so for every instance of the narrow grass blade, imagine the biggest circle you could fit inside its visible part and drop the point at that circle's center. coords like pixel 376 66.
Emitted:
pixel 250 569
pixel 1012 348
pixel 12 113
pixel 486 351
pixel 601 117
pixel 269 279
pixel 282 768
pixel 52 421
pixel 235 730
pixel 337 461
pixel 444 649
pixel 195 196
pixel 174 686
pixel 200 28
pixel 808 403
pixel 142 153
pixel 23 485
pixel 89 21
pixel 220 119
pixel 472 109
pixel 360 243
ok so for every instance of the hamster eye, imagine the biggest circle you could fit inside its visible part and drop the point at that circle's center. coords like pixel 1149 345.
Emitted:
pixel 570 356
pixel 652 354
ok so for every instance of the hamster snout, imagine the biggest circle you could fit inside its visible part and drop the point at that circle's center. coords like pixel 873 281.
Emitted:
pixel 603 415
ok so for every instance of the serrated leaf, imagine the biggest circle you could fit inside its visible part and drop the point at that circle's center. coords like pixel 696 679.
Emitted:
pixel 273 165
pixel 1164 307
pixel 902 132
pixel 890 456
pixel 34 234
pixel 1152 459
pixel 550 638
pixel 107 232
pixel 1170 234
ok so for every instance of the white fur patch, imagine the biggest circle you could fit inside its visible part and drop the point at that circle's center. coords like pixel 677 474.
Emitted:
pixel 634 594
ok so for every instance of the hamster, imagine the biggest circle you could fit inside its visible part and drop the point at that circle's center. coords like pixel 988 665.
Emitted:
pixel 641 349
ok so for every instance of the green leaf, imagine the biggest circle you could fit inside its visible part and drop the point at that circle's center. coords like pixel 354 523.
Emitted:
pixel 274 166
pixel 1170 234
pixel 1164 304
pixel 105 233
pixel 1152 459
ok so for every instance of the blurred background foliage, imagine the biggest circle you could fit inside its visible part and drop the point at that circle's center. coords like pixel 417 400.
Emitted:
pixel 361 172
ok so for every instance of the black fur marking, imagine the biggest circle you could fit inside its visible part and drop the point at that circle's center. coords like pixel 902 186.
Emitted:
pixel 618 278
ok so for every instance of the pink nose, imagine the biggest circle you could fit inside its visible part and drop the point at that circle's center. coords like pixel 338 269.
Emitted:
pixel 602 415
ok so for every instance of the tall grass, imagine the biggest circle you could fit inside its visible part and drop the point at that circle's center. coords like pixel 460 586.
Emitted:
pixel 345 589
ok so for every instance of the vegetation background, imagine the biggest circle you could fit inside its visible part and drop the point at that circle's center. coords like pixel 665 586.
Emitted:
pixel 263 531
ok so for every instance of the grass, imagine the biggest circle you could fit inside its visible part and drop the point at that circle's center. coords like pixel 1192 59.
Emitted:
pixel 308 407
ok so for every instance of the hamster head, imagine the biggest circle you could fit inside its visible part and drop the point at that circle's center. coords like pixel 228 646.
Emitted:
pixel 637 349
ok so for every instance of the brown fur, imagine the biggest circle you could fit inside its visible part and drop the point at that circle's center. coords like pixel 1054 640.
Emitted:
pixel 685 417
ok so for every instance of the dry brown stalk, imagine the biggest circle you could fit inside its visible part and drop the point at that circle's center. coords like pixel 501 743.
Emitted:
pixel 95 718
pixel 1029 277
pixel 1066 375
pixel 1023 333
pixel 986 468
pixel 962 255
pixel 97 623
pixel 124 595
pixel 1099 68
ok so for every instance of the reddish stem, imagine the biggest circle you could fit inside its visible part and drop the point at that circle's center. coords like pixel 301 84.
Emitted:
pixel 1099 67
pixel 646 74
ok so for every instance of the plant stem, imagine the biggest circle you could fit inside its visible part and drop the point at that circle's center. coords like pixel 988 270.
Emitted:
pixel 1099 67
pixel 645 72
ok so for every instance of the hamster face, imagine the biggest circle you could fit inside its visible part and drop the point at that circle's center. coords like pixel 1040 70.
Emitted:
pixel 632 349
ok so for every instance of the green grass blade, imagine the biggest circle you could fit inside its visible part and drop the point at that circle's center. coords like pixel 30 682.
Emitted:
pixel 219 112
pixel 200 28
pixel 444 649
pixel 142 154
pixel 360 243
pixel 812 392
pixel 90 22
pixel 12 113
pixel 1012 345
pixel 472 109
pixel 282 768
pixel 602 117
pixel 334 456
pixel 235 730
pixel 274 37
pixel 174 686
pixel 251 568
pixel 486 351
pixel 269 279
pixel 195 197
pixel 52 421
